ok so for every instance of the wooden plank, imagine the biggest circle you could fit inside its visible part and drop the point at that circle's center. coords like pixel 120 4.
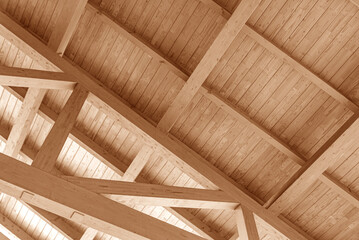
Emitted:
pixel 217 8
pixel 246 225
pixel 137 39
pixel 78 204
pixel 56 222
pixel 280 145
pixel 116 165
pixel 26 115
pixel 189 161
pixel 218 48
pixel 19 77
pixel 355 2
pixel 14 228
pixel 51 148
pixel 277 143
pixel 321 160
pixel 66 24
pixel 326 87
pixel 340 188
pixel 157 195
pixel 261 131
pixel 89 234
pixel 135 168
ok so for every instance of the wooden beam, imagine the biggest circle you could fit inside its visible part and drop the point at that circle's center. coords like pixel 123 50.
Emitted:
pixel 54 194
pixel 218 48
pixel 89 234
pixel 15 140
pixel 137 164
pixel 51 148
pixel 19 77
pixel 66 24
pixel 58 42
pixel 223 104
pixel 355 2
pixel 14 228
pixel 157 195
pixel 190 162
pixel 246 225
pixel 320 83
pixel 330 152
pixel 113 163
pixel 26 115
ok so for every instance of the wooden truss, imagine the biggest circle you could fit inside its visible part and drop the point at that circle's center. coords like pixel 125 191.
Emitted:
pixel 97 203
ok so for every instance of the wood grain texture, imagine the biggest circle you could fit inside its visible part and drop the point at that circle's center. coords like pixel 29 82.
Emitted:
pixel 46 157
pixel 19 77
pixel 207 63
pixel 38 187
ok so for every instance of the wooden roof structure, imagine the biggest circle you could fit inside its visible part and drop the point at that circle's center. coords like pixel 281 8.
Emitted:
pixel 179 119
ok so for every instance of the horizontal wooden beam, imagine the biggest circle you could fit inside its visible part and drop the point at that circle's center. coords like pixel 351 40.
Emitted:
pixel 112 162
pixel 78 204
pixel 213 55
pixel 157 195
pixel 182 156
pixel 20 77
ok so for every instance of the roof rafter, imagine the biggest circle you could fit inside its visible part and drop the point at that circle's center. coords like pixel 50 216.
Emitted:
pixel 137 164
pixel 157 195
pixel 20 77
pixel 78 204
pixel 187 159
pixel 321 160
pixel 215 52
pixel 222 103
pixel 66 24
pixel 113 163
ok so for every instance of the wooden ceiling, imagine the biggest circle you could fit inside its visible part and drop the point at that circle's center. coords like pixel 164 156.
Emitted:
pixel 179 119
